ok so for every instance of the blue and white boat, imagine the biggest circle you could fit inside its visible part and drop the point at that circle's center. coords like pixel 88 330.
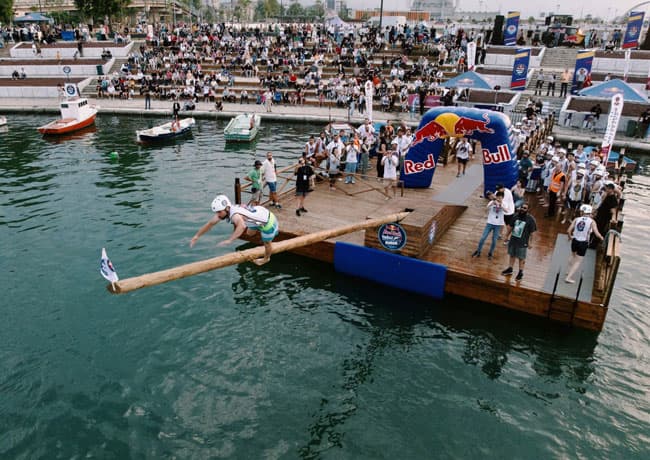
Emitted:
pixel 165 132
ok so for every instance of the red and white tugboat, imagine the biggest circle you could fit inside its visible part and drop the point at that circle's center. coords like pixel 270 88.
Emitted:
pixel 76 114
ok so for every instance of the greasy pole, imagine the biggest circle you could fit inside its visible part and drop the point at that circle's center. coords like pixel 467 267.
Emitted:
pixel 194 268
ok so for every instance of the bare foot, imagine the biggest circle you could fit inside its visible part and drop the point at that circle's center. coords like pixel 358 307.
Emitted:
pixel 260 261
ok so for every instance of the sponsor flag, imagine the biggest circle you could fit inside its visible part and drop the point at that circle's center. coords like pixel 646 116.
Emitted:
pixel 512 27
pixel 615 111
pixel 626 68
pixel 369 90
pixel 106 268
pixel 582 71
pixel 633 30
pixel 471 55
pixel 520 69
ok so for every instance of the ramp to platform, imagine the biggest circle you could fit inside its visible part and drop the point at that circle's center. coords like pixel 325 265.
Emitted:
pixel 462 188
pixel 560 261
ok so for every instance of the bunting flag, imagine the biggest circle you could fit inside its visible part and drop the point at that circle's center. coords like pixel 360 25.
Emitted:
pixel 615 111
pixel 584 60
pixel 512 27
pixel 471 55
pixel 633 30
pixel 106 268
pixel 520 69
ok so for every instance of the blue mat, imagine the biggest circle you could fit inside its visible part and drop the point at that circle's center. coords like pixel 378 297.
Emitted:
pixel 560 262
pixel 463 187
pixel 390 269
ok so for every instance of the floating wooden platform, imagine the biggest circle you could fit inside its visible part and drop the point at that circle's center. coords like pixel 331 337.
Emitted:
pixel 458 227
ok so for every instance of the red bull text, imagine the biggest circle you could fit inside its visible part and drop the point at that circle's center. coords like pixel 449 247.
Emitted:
pixel 501 155
pixel 414 167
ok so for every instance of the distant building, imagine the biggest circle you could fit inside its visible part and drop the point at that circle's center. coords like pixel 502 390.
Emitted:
pixel 438 9
pixel 331 5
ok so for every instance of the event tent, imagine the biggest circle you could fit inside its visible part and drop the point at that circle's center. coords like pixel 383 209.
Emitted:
pixel 609 88
pixel 33 17
pixel 468 80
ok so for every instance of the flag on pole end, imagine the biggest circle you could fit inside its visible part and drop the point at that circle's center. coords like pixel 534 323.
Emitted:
pixel 106 268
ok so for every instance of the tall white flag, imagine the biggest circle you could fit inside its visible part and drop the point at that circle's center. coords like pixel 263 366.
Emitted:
pixel 615 111
pixel 471 55
pixel 369 90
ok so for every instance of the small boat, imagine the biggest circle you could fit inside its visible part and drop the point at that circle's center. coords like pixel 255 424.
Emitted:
pixel 242 128
pixel 75 114
pixel 3 120
pixel 342 128
pixel 167 131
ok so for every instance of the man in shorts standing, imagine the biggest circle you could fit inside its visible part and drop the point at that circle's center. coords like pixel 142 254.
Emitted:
pixel 520 232
pixel 270 177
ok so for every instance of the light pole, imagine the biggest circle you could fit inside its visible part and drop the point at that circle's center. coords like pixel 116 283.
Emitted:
pixel 381 14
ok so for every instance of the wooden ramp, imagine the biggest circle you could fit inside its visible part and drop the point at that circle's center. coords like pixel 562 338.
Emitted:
pixel 558 264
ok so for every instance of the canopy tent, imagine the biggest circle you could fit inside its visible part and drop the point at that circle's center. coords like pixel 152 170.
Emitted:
pixel 335 21
pixel 609 88
pixel 33 17
pixel 468 80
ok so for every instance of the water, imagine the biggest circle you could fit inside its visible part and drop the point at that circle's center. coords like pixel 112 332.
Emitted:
pixel 289 360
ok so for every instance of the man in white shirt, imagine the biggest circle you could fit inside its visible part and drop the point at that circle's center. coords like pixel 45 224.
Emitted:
pixel 401 145
pixel 365 130
pixel 463 151
pixel 270 177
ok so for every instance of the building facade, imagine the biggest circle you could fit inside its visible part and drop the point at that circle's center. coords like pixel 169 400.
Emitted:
pixel 438 9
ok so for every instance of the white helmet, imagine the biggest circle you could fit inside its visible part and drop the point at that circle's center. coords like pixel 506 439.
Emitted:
pixel 220 203
pixel 586 209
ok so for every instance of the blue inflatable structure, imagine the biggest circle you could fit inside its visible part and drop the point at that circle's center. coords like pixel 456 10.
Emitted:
pixel 491 128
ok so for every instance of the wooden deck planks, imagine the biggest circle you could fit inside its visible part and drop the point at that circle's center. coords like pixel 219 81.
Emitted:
pixel 476 278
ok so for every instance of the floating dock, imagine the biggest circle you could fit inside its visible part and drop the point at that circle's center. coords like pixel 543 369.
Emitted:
pixel 445 223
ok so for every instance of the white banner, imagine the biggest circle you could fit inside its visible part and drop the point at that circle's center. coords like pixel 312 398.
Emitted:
pixel 369 90
pixel 471 55
pixel 615 111
pixel 626 68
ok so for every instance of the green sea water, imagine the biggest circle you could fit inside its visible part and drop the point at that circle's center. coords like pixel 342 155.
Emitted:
pixel 289 360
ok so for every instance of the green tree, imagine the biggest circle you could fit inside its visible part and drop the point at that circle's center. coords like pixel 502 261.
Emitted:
pixel 260 11
pixel 97 9
pixel 272 8
pixel 531 20
pixel 241 10
pixel 6 11
pixel 295 9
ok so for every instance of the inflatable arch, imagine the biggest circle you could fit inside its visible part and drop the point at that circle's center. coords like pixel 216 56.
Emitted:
pixel 492 129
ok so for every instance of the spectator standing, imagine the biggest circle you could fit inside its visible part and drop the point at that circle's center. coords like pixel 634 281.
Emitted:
pixel 494 224
pixel 520 234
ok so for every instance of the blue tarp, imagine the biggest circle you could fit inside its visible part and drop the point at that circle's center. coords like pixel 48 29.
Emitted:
pixel 467 80
pixel 610 88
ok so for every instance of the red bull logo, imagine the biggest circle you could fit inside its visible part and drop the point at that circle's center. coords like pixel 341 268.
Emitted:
pixel 414 167
pixel 449 124
pixel 467 126
pixel 430 132
pixel 501 155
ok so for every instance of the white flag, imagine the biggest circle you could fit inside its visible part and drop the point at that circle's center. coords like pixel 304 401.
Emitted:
pixel 471 55
pixel 615 111
pixel 106 268
pixel 369 90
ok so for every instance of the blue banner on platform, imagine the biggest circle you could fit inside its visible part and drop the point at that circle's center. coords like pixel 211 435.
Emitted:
pixel 633 31
pixel 512 27
pixel 520 69
pixel 488 127
pixel 582 72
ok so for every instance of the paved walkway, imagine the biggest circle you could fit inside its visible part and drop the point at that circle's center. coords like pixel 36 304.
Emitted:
pixel 288 113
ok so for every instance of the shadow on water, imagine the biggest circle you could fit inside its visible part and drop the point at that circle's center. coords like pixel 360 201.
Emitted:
pixel 395 318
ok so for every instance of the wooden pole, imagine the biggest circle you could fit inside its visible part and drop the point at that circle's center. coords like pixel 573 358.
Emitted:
pixel 194 268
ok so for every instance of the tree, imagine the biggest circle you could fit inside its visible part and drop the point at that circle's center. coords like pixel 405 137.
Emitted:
pixel 97 9
pixel 531 20
pixel 6 11
pixel 295 9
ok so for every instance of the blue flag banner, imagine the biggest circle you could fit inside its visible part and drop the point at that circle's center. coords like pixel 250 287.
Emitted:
pixel 633 31
pixel 582 72
pixel 512 27
pixel 488 127
pixel 520 69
